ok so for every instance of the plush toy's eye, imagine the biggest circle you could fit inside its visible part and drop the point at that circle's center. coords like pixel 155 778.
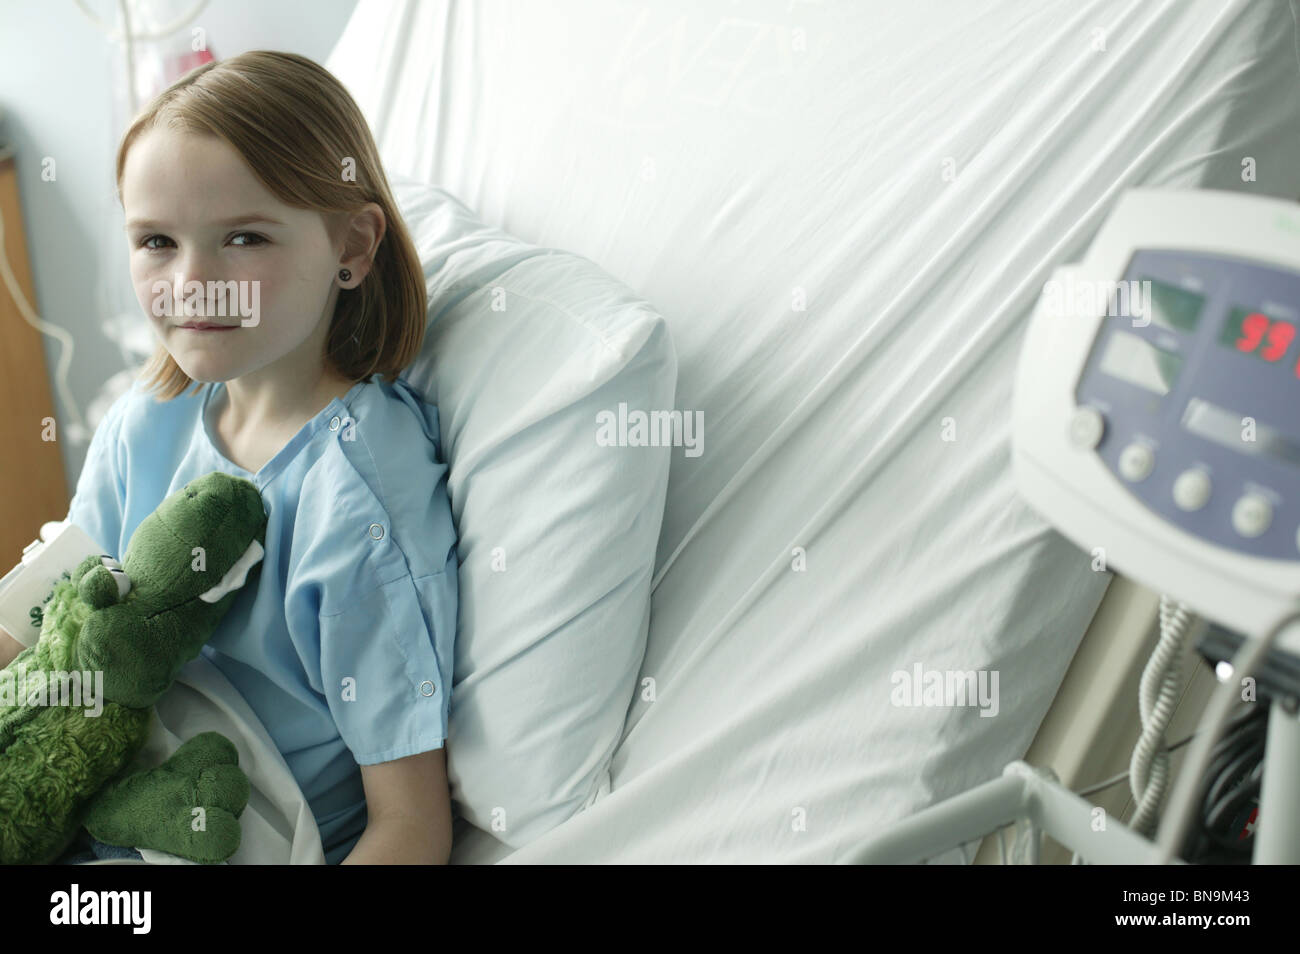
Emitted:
pixel 119 575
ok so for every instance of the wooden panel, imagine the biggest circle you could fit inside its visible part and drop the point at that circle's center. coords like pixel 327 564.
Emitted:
pixel 33 489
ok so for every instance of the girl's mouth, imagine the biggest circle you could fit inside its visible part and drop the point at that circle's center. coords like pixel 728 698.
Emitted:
pixel 207 326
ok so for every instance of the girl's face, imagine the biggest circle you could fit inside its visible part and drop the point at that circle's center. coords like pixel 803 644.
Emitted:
pixel 195 210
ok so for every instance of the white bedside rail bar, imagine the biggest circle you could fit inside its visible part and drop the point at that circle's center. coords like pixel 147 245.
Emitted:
pixel 1022 795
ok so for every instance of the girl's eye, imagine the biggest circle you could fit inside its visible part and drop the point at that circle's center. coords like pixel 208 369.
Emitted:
pixel 256 240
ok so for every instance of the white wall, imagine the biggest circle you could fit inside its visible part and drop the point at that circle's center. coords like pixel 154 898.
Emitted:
pixel 60 78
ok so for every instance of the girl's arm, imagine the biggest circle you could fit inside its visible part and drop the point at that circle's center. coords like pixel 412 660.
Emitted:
pixel 408 811
pixel 9 648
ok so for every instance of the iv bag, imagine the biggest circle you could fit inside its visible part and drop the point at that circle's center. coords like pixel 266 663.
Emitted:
pixel 166 43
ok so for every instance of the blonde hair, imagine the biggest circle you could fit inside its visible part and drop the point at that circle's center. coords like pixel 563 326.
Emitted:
pixel 294 124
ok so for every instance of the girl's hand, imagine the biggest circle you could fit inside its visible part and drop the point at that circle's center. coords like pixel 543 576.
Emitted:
pixel 9 648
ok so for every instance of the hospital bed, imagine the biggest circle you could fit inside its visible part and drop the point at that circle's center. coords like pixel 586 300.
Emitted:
pixel 916 171
pixel 845 213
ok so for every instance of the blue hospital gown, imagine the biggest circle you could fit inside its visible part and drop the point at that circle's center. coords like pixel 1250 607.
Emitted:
pixel 344 646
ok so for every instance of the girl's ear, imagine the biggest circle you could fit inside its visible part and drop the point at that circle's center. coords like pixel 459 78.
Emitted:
pixel 365 230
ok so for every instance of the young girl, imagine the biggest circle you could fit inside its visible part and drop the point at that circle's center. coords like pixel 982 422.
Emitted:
pixel 260 171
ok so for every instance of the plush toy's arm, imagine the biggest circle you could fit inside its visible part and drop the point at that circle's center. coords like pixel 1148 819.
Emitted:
pixel 101 581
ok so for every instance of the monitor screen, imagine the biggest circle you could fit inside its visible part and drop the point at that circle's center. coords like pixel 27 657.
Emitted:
pixel 1136 361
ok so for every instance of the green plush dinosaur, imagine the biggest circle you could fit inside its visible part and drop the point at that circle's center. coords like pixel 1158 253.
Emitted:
pixel 63 765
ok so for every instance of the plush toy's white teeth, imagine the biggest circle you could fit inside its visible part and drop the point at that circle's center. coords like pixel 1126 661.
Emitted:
pixel 236 575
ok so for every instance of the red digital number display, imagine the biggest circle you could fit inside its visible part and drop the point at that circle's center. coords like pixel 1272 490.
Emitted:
pixel 1265 337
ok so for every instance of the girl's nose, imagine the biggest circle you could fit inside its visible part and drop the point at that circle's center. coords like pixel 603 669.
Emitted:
pixel 191 291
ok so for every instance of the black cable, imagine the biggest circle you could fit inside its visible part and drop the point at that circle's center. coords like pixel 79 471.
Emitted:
pixel 1225 753
pixel 1214 813
pixel 1232 781
pixel 1225 809
pixel 1228 811
pixel 1250 723
pixel 1229 839
pixel 1249 753
pixel 1249 720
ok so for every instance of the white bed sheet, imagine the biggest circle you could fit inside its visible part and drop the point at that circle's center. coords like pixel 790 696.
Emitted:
pixel 730 159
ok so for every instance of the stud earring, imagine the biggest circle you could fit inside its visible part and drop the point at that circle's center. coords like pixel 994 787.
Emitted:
pixel 345 275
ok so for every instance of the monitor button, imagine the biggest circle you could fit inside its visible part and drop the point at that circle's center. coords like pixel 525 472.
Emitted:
pixel 1251 515
pixel 1086 427
pixel 1192 489
pixel 1136 462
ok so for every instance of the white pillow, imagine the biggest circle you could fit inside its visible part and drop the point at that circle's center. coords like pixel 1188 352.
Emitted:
pixel 525 347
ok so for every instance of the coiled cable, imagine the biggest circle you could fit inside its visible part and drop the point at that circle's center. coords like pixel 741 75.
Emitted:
pixel 1157 698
